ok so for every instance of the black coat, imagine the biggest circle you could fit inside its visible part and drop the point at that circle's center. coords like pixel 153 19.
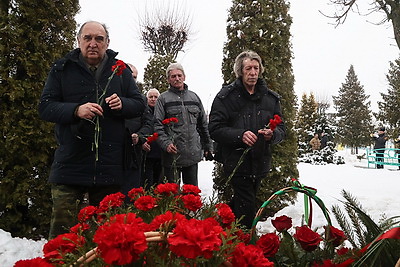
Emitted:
pixel 380 142
pixel 69 85
pixel 144 127
pixel 234 111
pixel 155 150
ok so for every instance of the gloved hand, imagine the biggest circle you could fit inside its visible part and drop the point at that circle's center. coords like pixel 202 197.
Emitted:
pixel 208 155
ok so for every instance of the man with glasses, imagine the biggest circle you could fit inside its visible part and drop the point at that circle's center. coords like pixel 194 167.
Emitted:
pixel 70 100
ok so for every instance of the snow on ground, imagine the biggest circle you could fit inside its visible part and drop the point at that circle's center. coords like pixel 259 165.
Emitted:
pixel 376 189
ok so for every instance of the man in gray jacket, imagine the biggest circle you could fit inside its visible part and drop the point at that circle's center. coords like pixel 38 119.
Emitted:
pixel 186 140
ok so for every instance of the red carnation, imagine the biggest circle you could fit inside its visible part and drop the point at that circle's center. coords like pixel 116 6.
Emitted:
pixel 129 218
pixel 86 213
pixel 170 120
pixel 190 189
pixel 167 218
pixel 120 242
pixel 196 238
pixel 79 228
pixel 243 237
pixel 225 213
pixel 36 262
pixel 152 138
pixel 62 244
pixel 247 256
pixel 269 243
pixel 192 202
pixel 282 223
pixel 111 201
pixel 335 235
pixel 167 189
pixel 135 192
pixel 274 122
pixel 174 120
pixel 307 238
pixel 118 67
pixel 145 203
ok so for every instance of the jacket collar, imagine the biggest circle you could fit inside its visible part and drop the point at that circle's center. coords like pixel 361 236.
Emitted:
pixel 177 91
pixel 260 88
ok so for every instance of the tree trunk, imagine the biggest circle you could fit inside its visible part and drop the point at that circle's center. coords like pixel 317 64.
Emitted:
pixel 395 18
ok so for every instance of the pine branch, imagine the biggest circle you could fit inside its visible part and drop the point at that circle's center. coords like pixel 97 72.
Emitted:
pixel 344 224
pixel 355 220
pixel 372 229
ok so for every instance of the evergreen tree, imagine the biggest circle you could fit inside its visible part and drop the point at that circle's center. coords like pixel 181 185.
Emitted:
pixel 390 106
pixel 155 73
pixel 312 118
pixel 306 122
pixel 33 34
pixel 325 121
pixel 264 27
pixel 353 113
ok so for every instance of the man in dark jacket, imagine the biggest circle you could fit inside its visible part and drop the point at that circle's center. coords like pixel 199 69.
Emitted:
pixel 380 144
pixel 324 140
pixel 239 117
pixel 70 99
pixel 183 143
pixel 151 166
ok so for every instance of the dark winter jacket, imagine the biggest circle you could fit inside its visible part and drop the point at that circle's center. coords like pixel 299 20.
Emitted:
pixel 324 141
pixel 234 111
pixel 380 141
pixel 143 126
pixel 155 150
pixel 70 84
pixel 190 135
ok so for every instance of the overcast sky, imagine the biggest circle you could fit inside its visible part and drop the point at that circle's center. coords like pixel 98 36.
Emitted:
pixel 322 52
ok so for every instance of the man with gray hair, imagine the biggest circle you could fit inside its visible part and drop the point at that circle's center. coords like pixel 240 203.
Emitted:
pixel 239 119
pixel 184 143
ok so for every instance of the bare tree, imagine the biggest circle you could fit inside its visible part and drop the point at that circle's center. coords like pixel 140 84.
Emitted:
pixel 323 104
pixel 165 31
pixel 390 9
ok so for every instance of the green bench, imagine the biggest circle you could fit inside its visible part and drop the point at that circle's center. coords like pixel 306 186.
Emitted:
pixel 390 157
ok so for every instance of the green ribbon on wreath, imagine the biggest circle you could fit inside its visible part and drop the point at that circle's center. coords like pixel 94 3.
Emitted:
pixel 309 193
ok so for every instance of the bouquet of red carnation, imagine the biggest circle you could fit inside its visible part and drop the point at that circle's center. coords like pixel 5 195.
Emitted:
pixel 165 226
pixel 274 122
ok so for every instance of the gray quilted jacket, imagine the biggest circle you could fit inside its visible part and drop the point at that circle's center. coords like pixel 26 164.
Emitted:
pixel 190 134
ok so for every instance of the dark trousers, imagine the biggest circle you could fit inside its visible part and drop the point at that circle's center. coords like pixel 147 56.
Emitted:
pixel 152 170
pixel 379 158
pixel 189 174
pixel 69 199
pixel 243 202
pixel 132 179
